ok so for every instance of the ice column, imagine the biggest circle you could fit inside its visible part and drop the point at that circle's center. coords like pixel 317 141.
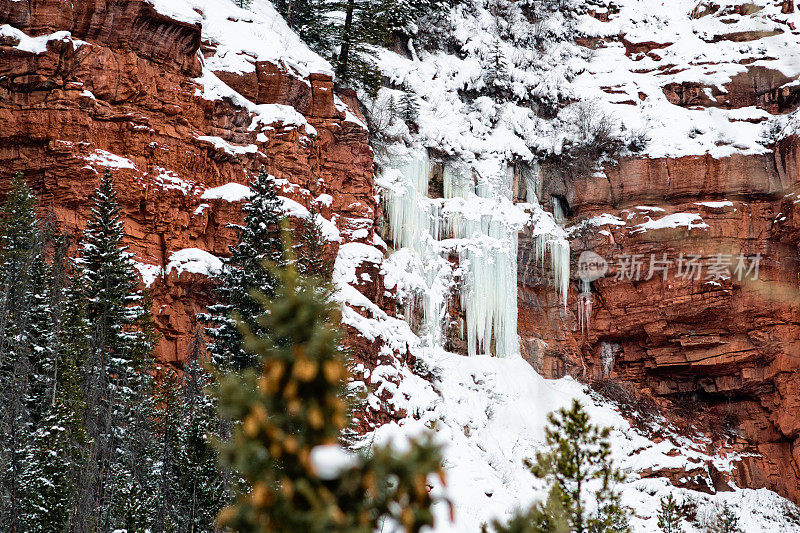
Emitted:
pixel 481 218
pixel 607 358
pixel 531 175
pixel 484 220
pixel 585 306
pixel 409 217
pixel 415 222
pixel 458 182
pixel 488 259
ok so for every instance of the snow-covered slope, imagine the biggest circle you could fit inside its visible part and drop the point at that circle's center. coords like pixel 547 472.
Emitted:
pixel 648 45
pixel 241 37
pixel 490 414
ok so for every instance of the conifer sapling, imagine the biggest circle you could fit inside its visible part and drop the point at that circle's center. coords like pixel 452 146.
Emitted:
pixel 292 415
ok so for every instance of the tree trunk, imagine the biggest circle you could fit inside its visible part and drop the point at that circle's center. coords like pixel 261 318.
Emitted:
pixel 344 53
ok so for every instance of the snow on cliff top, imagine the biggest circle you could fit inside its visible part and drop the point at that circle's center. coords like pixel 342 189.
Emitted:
pixel 240 37
pixel 691 41
pixel 459 116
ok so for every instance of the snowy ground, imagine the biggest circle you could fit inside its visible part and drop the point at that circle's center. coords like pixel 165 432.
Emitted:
pixel 490 414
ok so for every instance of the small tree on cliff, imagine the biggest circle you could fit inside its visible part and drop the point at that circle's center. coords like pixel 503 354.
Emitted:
pixel 247 270
pixel 312 247
pixel 669 516
pixel 409 107
pixel 292 415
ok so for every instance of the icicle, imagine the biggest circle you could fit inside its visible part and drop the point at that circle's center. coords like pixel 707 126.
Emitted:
pixel 488 255
pixel 415 222
pixel 531 175
pixel 559 259
pixel 497 184
pixel 489 291
pixel 549 238
pixel 558 210
pixel 607 358
pixel 408 216
pixel 435 220
pixel 585 306
pixel 458 182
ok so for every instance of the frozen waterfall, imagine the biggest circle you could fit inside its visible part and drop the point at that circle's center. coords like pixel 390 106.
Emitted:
pixel 478 221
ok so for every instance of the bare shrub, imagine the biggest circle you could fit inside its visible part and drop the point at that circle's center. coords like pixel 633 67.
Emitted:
pixel 639 409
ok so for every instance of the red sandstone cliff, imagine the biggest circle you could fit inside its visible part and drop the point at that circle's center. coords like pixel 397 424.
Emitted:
pixel 120 90
pixel 727 351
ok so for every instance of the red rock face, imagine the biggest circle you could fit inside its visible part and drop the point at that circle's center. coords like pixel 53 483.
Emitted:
pixel 757 86
pixel 728 346
pixel 129 92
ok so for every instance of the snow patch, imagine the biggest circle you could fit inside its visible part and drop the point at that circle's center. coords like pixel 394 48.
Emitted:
pixel 230 192
pixel 36 45
pixel 221 144
pixel 676 220
pixel 107 159
pixel 195 261
pixel 148 273
pixel 716 205
pixel 295 209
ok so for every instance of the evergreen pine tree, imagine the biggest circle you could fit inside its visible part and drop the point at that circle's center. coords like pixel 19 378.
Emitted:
pixel 75 341
pixel 292 414
pixel 167 464
pixel 135 506
pixel 669 516
pixel 363 26
pixel 312 249
pixel 205 488
pixel 56 458
pixel 726 521
pixel 401 16
pixel 312 21
pixel 409 108
pixel 192 488
pixel 21 269
pixel 579 455
pixel 498 78
pixel 244 3
pixel 246 271
pixel 118 388
pixel 108 276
